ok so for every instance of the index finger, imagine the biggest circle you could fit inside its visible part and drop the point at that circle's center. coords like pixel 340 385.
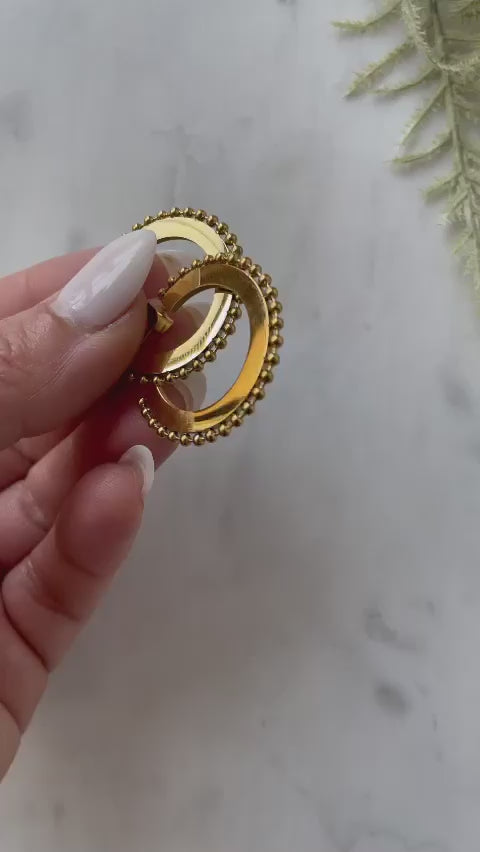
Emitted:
pixel 24 289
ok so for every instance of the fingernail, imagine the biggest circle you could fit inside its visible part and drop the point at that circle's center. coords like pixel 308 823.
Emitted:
pixel 174 259
pixel 108 284
pixel 140 458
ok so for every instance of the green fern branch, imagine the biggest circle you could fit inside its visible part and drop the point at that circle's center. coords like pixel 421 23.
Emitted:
pixel 446 35
pixel 389 10
pixel 376 70
pixel 425 76
pixel 441 144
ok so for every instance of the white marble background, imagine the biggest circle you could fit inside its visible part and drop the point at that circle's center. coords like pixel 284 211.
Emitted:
pixel 290 661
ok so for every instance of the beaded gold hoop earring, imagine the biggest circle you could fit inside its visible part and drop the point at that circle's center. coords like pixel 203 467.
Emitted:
pixel 212 237
pixel 235 280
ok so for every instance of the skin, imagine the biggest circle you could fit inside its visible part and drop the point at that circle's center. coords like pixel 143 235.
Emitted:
pixel 69 512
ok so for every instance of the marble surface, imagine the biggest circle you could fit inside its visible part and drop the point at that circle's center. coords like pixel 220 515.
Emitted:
pixel 290 660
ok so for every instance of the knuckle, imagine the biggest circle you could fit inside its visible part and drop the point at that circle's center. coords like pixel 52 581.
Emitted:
pixel 8 361
pixel 52 597
pixel 14 367
pixel 31 509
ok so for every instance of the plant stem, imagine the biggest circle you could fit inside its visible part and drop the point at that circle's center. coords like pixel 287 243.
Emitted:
pixel 458 145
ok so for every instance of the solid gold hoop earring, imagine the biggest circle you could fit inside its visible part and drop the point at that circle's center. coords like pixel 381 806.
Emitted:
pixel 243 282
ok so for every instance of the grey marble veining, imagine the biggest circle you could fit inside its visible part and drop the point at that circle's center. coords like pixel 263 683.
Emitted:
pixel 290 660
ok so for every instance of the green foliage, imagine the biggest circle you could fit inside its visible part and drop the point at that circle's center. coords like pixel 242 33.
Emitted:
pixel 445 35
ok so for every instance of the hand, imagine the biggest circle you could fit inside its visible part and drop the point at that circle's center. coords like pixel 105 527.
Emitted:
pixel 71 486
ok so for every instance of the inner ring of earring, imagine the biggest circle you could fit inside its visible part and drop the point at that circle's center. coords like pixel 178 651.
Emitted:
pixel 215 419
pixel 213 239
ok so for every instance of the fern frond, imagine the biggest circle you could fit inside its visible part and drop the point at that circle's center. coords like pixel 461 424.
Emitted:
pixel 465 8
pixel 390 10
pixel 441 144
pixel 461 243
pixel 424 112
pixel 471 251
pixel 442 185
pixel 457 7
pixel 463 37
pixel 455 211
pixel 445 34
pixel 470 109
pixel 424 77
pixel 376 70
pixel 463 67
pixel 472 157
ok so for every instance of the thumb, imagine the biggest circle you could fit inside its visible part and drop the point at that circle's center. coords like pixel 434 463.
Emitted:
pixel 58 357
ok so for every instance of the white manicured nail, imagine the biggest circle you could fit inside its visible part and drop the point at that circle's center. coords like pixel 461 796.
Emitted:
pixel 108 284
pixel 140 458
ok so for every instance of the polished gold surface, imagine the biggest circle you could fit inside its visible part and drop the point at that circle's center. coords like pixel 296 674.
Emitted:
pixel 158 319
pixel 212 237
pixel 242 279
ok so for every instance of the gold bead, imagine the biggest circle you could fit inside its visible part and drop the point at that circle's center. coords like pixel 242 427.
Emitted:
pixel 136 227
pixel 222 229
pixel 197 365
pixel 173 437
pixel 235 312
pixel 255 269
pixel 189 211
pixel 229 328
pixel 266 375
pixel 273 358
pixel 183 373
pixel 247 407
pixel 275 339
pixel 224 429
pixel 220 342
pixel 148 220
pixel 143 380
pixel 185 440
pixel 236 420
pixel 212 221
pixel 200 214
pixel 209 355
pixel 279 306
pixel 168 377
pixel 276 322
pixel 161 431
pixel 245 262
pixel 211 436
pixel 258 393
pixel 199 440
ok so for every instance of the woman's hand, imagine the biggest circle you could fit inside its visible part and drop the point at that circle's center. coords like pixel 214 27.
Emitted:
pixel 71 486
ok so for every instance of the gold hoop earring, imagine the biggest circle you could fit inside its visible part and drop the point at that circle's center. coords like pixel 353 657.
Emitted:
pixel 212 237
pixel 240 281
